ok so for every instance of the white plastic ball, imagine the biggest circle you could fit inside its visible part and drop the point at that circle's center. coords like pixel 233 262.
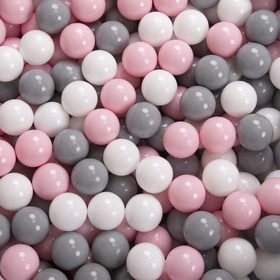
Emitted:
pixel 15 191
pixel 237 256
pixel 11 64
pixel 234 11
pixel 106 210
pixel 191 26
pixel 68 211
pixel 154 174
pixel 51 118
pixel 273 115
pixel 145 261
pixel 79 98
pixel 274 72
pixel 220 177
pixel 16 117
pixel 155 28
pixel 238 99
pixel 267 267
pixel 121 157
pixel 143 212
pixel 248 183
pixel 273 174
pixel 36 47
pixel 99 67
pixel 159 87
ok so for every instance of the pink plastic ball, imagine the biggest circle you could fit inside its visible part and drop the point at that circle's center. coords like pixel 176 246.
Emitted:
pixel 19 261
pixel 101 126
pixel 139 58
pixel 217 135
pixel 186 193
pixel 181 139
pixel 184 263
pixel 2 31
pixel 134 9
pixel 50 180
pixel 212 203
pixel 126 230
pixel 118 95
pixel 264 5
pixel 88 10
pixel 175 56
pixel 29 25
pixel 33 148
pixel 7 157
pixel 269 195
pixel 224 39
pixel 12 30
pixel 77 40
pixel 170 7
pixel 241 210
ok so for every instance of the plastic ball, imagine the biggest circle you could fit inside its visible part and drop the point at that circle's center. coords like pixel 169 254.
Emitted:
pixel 220 177
pixel 237 256
pixel 121 157
pixel 154 174
pixel 191 26
pixel 106 211
pixel 36 47
pixel 5 229
pixel 7 157
pixel 216 274
pixel 275 66
pixel 89 269
pixel 48 273
pixel 98 67
pixel 79 98
pixel 170 8
pixel 11 64
pixel 15 191
pixel 208 157
pixel 143 212
pixel 248 183
pixel 67 211
pixel 145 261
pixel 135 9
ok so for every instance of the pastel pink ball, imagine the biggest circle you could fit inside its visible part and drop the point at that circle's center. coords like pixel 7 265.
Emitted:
pixel 77 40
pixel 186 193
pixel 241 210
pixel 50 180
pixel 126 230
pixel 181 139
pixel 2 31
pixel 139 58
pixel 7 157
pixel 224 39
pixel 134 9
pixel 33 148
pixel 170 7
pixel 175 56
pixel 19 261
pixel 269 196
pixel 217 135
pixel 101 126
pixel 212 203
pixel 184 263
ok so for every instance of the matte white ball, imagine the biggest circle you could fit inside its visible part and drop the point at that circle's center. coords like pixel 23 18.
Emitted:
pixel 106 210
pixel 191 26
pixel 36 47
pixel 16 117
pixel 79 98
pixel 154 174
pixel 155 28
pixel 68 211
pixel 121 157
pixel 237 256
pixel 15 191
pixel 145 261
pixel 11 64
pixel 99 67
pixel 274 72
pixel 159 87
pixel 143 212
pixel 220 177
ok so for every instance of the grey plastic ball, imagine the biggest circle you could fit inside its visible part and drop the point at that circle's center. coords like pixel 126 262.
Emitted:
pixel 96 151
pixel 202 230
pixel 143 120
pixel 125 134
pixel 215 274
pixel 210 258
pixel 5 230
pixel 70 250
pixel 197 103
pixel 121 273
pixel 204 4
pixel 201 49
pixel 276 99
pixel 70 146
pixel 9 90
pixel 44 265
pixel 89 176
pixel 212 72
pixel 267 234
pixel 30 225
pixel 36 86
pixel 50 273
pixel 110 249
pixel 92 271
pixel 253 60
pixel 52 16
